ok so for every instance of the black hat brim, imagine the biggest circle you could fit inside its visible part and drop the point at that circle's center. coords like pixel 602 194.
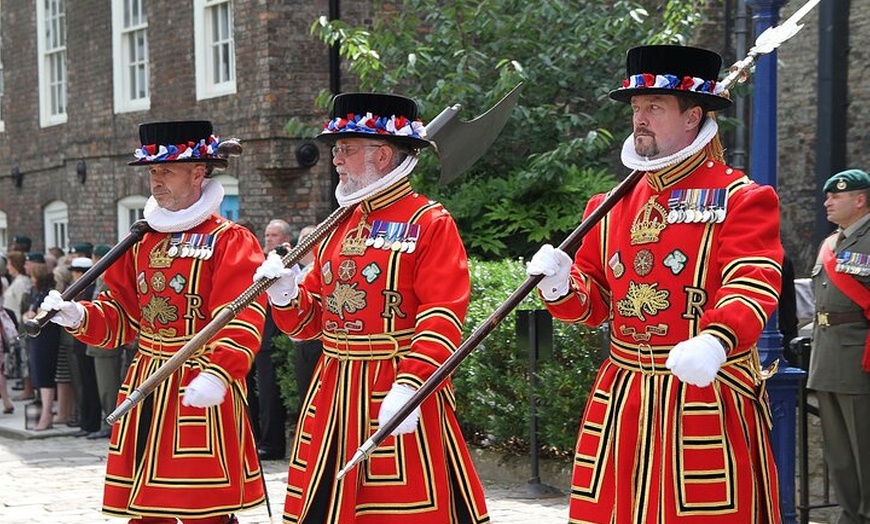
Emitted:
pixel 220 163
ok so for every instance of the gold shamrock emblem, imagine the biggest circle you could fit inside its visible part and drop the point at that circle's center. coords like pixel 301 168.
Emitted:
pixel 642 298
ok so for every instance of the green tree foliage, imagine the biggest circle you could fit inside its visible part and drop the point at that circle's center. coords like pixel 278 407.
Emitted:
pixel 560 144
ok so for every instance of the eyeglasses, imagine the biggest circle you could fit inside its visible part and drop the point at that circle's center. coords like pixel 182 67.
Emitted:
pixel 350 150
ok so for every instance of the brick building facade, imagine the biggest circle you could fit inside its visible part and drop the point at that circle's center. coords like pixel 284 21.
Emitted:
pixel 279 71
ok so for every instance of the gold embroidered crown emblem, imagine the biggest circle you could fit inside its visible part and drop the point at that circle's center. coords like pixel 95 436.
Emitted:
pixel 159 255
pixel 649 222
pixel 354 244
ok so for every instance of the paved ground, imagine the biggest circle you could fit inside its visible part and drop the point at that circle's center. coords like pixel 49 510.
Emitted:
pixel 50 476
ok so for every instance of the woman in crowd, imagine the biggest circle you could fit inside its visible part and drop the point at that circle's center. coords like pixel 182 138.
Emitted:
pixel 42 349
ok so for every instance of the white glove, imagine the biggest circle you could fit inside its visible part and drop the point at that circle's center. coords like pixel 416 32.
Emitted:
pixel 69 314
pixel 697 361
pixel 283 290
pixel 555 265
pixel 393 402
pixel 204 391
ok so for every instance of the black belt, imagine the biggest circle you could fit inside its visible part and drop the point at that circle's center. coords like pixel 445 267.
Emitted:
pixel 825 319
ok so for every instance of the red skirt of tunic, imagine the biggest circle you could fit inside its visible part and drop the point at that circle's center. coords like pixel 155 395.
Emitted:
pixel 654 450
pixel 180 461
pixel 423 477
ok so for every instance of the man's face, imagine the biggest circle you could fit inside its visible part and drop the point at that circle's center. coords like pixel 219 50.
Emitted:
pixel 176 186
pixel 274 237
pixel 660 128
pixel 354 160
pixel 846 207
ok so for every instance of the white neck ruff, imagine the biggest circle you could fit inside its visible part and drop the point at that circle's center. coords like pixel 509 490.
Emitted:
pixel 632 160
pixel 387 180
pixel 166 221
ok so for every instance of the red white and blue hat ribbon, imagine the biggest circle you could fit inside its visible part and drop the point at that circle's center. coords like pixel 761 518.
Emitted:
pixel 377 125
pixel 686 83
pixel 202 150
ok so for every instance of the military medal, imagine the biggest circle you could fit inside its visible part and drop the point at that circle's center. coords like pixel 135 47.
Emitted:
pixel 375 234
pixel 400 234
pixel 673 206
pixel 177 238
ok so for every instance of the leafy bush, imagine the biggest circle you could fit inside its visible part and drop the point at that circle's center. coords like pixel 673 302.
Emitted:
pixel 493 383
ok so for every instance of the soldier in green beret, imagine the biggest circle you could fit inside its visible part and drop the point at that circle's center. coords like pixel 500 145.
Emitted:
pixel 840 361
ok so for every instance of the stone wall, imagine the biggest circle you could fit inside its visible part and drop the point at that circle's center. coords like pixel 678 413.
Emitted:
pixel 280 70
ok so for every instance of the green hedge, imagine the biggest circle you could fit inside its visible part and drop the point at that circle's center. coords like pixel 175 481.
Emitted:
pixel 492 385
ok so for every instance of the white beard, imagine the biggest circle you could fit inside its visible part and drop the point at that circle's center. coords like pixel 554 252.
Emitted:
pixel 346 198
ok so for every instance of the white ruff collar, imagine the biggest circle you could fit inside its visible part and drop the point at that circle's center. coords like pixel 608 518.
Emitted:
pixel 632 160
pixel 166 221
pixel 386 181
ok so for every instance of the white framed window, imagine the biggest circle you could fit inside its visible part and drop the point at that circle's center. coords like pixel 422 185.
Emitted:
pixel 4 231
pixel 2 117
pixel 56 219
pixel 215 48
pixel 130 209
pixel 130 53
pixel 51 55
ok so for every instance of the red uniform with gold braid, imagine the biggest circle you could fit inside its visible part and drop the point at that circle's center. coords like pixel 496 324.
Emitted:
pixel 166 459
pixel 387 294
pixel 694 248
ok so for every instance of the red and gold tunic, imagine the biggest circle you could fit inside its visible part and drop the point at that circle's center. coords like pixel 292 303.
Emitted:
pixel 692 249
pixel 387 295
pixel 166 459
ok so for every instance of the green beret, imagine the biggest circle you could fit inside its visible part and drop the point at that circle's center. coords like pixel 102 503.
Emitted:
pixel 84 249
pixel 848 180
pixel 101 249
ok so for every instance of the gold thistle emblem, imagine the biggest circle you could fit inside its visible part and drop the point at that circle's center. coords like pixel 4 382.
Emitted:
pixel 648 223
pixel 643 298
pixel 345 298
pixel 159 308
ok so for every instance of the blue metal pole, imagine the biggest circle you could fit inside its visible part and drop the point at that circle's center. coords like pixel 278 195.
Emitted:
pixel 782 387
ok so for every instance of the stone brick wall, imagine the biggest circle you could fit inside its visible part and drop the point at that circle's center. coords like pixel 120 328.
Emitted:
pixel 280 70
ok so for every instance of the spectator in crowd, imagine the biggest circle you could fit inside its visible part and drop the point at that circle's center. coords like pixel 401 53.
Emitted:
pixel 42 349
pixel 82 249
pixel 307 352
pixel 839 370
pixel 21 244
pixel 90 412
pixel 15 299
pixel 107 362
pixel 8 343
pixel 68 378
pixel 271 413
